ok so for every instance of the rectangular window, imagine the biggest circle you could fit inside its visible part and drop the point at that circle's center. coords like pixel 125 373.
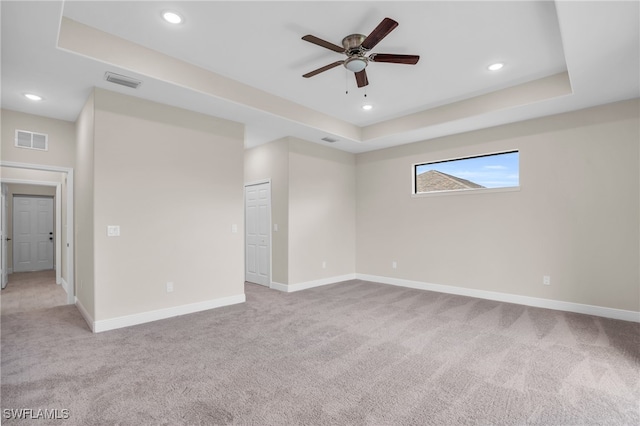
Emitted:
pixel 499 170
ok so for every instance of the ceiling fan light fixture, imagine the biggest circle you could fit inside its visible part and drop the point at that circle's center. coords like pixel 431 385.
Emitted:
pixel 367 107
pixel 172 17
pixel 355 64
pixel 496 66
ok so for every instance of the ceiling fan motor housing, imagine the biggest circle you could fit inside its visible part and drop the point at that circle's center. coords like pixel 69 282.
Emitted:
pixel 353 44
pixel 356 60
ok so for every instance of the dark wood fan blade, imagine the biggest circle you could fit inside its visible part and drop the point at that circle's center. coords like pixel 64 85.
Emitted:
pixel 323 43
pixel 323 69
pixel 361 78
pixel 394 59
pixel 382 30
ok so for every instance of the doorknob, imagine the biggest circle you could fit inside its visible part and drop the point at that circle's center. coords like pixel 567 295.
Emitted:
pixel 8 239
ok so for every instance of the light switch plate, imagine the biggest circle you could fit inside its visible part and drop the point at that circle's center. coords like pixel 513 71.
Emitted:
pixel 113 231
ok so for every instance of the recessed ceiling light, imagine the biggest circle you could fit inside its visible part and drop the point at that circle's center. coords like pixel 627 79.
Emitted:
pixel 496 66
pixel 367 107
pixel 172 17
pixel 32 97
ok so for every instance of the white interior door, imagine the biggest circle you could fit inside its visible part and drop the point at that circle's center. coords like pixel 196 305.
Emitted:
pixel 3 235
pixel 258 233
pixel 32 233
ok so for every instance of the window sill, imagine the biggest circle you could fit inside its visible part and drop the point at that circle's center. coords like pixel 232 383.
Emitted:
pixel 465 191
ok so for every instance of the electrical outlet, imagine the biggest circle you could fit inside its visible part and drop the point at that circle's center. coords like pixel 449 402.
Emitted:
pixel 169 287
pixel 546 280
pixel 394 264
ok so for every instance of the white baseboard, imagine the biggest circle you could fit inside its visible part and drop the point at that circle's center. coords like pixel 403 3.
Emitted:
pixel 88 318
pixel 509 298
pixel 290 288
pixel 279 286
pixel 64 285
pixel 144 317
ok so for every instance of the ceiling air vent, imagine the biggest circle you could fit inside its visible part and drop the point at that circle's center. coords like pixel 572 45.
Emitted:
pixel 330 140
pixel 122 80
pixel 32 140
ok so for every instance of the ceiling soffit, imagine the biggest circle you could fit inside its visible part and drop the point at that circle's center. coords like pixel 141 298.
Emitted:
pixel 90 42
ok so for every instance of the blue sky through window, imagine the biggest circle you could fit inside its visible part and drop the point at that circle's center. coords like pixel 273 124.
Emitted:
pixel 490 171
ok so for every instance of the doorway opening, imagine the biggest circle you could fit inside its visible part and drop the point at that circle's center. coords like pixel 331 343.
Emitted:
pixel 61 178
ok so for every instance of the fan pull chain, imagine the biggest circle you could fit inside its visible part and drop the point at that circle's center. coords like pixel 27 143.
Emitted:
pixel 346 82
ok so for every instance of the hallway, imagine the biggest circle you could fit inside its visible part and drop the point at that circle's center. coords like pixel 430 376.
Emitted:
pixel 29 291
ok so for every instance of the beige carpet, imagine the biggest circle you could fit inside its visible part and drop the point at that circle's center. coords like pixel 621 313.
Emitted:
pixel 349 353
pixel 28 291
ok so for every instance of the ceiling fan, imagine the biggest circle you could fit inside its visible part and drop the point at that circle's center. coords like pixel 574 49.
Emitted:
pixel 356 46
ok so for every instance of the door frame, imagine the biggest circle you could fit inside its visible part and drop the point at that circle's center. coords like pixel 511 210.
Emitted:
pixel 69 283
pixel 244 219
pixel 3 252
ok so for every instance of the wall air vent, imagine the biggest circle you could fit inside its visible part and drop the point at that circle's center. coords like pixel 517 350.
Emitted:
pixel 32 140
pixel 330 140
pixel 122 80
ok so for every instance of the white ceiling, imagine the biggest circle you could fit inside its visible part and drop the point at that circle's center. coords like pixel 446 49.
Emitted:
pixel 259 45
